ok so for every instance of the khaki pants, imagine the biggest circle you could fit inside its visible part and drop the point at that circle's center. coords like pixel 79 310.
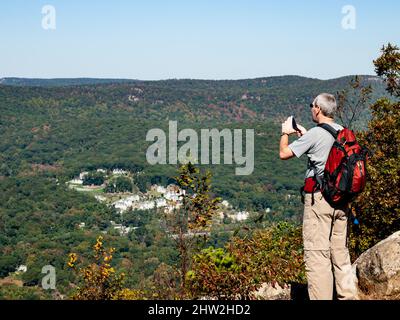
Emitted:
pixel 326 255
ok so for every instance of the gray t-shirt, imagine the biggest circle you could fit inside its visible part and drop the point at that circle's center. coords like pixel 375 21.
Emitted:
pixel 316 144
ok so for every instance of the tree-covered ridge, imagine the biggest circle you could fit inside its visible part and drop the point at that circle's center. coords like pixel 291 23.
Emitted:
pixel 37 82
pixel 229 100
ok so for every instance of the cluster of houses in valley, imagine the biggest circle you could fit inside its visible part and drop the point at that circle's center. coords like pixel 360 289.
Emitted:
pixel 166 198
pixel 158 197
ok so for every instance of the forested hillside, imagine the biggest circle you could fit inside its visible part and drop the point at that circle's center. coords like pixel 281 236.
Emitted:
pixel 51 130
pixel 229 100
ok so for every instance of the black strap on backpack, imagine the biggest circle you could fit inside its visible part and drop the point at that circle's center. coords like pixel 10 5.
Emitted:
pixel 330 129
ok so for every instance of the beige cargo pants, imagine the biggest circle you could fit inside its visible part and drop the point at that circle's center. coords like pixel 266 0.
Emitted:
pixel 326 255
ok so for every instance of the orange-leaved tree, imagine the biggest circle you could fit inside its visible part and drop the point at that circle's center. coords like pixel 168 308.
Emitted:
pixel 99 280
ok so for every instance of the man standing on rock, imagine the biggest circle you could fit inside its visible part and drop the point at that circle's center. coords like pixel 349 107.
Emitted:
pixel 326 255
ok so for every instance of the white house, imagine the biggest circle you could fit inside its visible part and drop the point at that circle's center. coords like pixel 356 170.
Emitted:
pixel 161 189
pixel 22 268
pixel 123 230
pixel 126 203
pixel 100 198
pixel 174 193
pixel 170 208
pixel 173 196
pixel 76 181
pixel 83 174
pixel 146 205
pixel 225 203
pixel 239 216
pixel 119 171
pixel 133 98
pixel 81 225
pixel 161 202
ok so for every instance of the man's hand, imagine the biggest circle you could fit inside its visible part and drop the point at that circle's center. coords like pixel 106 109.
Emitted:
pixel 284 151
pixel 288 129
pixel 302 129
pixel 287 126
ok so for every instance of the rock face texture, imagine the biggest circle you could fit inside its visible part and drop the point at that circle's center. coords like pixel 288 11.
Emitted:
pixel 378 270
pixel 267 291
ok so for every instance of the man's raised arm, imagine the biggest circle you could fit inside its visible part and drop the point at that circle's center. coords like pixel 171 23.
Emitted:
pixel 284 151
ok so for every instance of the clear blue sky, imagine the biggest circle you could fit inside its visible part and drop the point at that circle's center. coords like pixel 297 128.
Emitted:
pixel 203 39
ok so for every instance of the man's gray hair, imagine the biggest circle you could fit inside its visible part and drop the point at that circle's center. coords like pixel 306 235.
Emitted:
pixel 327 103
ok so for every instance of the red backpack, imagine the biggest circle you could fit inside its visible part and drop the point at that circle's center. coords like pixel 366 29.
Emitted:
pixel 345 169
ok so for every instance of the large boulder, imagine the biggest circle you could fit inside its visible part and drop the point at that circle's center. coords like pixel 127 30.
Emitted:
pixel 378 270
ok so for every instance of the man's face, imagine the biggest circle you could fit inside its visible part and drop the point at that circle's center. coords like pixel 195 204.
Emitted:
pixel 314 112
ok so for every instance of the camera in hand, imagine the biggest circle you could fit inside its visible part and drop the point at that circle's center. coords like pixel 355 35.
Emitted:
pixel 294 125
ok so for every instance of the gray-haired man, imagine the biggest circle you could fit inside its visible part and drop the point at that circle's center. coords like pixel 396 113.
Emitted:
pixel 326 255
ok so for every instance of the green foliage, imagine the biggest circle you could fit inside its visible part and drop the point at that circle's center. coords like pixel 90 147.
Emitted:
pixel 120 184
pixel 84 127
pixel 223 261
pixel 93 178
pixel 235 272
pixel 13 292
pixel 378 208
pixel 191 100
pixel 8 263
pixel 198 203
pixel 388 67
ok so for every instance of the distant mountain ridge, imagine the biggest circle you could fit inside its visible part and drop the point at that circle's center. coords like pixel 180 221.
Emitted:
pixel 267 98
pixel 40 82
pixel 52 82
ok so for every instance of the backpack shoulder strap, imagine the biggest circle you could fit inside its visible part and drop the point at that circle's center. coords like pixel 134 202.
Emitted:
pixel 330 129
